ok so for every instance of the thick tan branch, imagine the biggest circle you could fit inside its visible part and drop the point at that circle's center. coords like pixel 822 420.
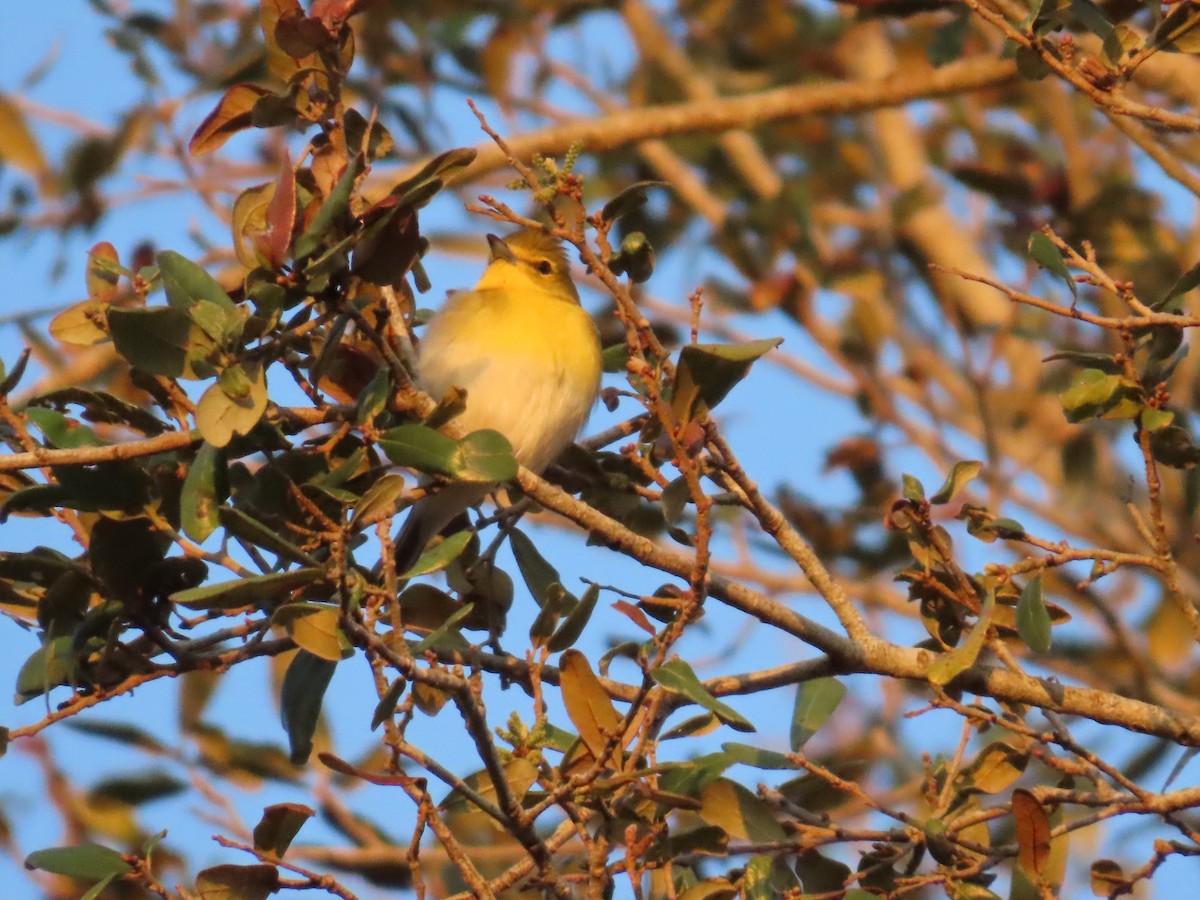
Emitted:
pixel 747 111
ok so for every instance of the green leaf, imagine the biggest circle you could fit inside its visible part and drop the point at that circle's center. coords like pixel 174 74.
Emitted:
pixel 99 887
pixel 1094 393
pixel 1030 64
pixel 1033 619
pixel 757 757
pixel 372 400
pixel 87 862
pixel 912 489
pixel 60 431
pixel 1172 446
pixel 1187 282
pixel 255 591
pixel 1177 32
pixel 707 372
pixel 134 790
pixel 386 707
pixel 948 40
pixel 121 732
pixel 947 666
pixel 485 456
pixel 158 339
pixel 628 200
pixel 304 687
pixel 538 574
pixel 960 475
pixel 334 207
pixel 547 618
pixel 50 665
pixel 1092 17
pixel 99 406
pixel 245 527
pixel 613 358
pixel 230 882
pixel 572 627
pixel 440 167
pixel 279 825
pixel 767 878
pixel 1046 255
pixel 634 258
pixel 1154 419
pixel 220 416
pixel 379 500
pixel 9 380
pixel 815 702
pixel 204 489
pixel 439 556
pixel 677 676
pixel 187 283
pixel 439 634
pixel 421 448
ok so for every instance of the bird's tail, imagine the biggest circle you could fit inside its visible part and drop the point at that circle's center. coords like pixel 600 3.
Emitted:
pixel 430 515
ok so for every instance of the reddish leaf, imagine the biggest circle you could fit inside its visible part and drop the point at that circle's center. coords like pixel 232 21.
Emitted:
pixel 281 217
pixel 231 116
pixel 333 12
pixel 638 617
pixel 300 36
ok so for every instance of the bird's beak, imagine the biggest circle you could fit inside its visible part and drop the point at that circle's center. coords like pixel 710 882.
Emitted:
pixel 500 249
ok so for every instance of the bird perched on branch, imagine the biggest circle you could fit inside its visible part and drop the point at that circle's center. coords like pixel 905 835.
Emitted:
pixel 528 356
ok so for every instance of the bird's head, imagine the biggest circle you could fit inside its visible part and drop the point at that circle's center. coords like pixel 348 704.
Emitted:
pixel 529 260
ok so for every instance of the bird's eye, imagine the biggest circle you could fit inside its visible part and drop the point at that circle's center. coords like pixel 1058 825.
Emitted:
pixel 544 266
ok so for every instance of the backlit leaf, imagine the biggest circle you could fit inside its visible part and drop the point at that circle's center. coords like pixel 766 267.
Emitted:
pixel 231 115
pixel 1033 833
pixel 707 372
pixel 679 678
pixel 87 862
pixel 1048 256
pixel 960 475
pixel 815 702
pixel 254 591
pixel 440 555
pixel 485 456
pixel 948 665
pixel 588 705
pixel 203 491
pixel 1033 619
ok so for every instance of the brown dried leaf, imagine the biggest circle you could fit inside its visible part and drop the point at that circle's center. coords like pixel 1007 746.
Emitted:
pixel 1033 833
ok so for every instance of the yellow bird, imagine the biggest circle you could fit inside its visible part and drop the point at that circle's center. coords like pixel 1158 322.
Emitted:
pixel 528 356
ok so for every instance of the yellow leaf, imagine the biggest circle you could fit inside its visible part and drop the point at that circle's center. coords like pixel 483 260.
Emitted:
pixel 81 324
pixel 588 704
pixel 18 147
